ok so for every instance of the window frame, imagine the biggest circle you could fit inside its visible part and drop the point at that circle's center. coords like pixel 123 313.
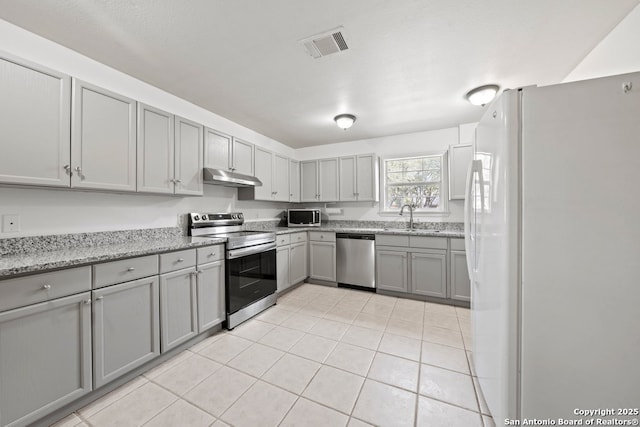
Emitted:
pixel 442 210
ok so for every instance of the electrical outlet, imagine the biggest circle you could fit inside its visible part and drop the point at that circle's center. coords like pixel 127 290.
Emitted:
pixel 10 223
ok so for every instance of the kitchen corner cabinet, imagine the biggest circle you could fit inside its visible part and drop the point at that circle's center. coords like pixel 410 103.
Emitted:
pixel 322 255
pixel 45 357
pixel 458 272
pixel 294 181
pixel 460 156
pixel 319 180
pixel 103 139
pixel 126 327
pixel 222 151
pixel 273 171
pixel 35 111
pixel 358 178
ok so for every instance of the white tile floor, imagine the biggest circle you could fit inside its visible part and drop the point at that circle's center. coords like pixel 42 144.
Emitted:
pixel 322 357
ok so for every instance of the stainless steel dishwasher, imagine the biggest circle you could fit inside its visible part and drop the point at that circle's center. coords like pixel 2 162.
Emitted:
pixel 355 260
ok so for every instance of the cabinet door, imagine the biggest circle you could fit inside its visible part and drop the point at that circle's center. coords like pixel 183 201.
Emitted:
pixel 366 188
pixel 217 149
pixel 323 260
pixel 35 109
pixel 242 157
pixel 294 182
pixel 103 139
pixel 211 310
pixel 45 357
pixel 263 171
pixel 280 178
pixel 297 263
pixel 282 268
pixel 155 150
pixel 126 331
pixel 178 308
pixel 391 270
pixel 188 153
pixel 460 156
pixel 328 180
pixel 428 274
pixel 460 283
pixel 309 181
pixel 348 178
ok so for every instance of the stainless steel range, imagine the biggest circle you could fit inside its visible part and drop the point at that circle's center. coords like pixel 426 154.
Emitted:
pixel 250 263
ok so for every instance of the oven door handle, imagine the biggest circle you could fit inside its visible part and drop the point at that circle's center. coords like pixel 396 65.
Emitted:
pixel 237 253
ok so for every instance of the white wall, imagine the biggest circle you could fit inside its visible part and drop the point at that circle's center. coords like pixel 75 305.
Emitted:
pixel 44 211
pixel 617 53
pixel 435 141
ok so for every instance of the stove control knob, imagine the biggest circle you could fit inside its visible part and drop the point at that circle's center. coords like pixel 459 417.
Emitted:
pixel 240 216
pixel 204 217
pixel 197 217
pixel 234 216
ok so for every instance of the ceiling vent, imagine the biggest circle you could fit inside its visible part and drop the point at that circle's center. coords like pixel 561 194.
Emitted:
pixel 326 43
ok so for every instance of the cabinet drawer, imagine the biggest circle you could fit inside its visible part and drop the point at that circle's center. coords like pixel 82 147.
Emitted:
pixel 392 240
pixel 114 272
pixel 210 254
pixel 283 239
pixel 321 236
pixel 457 244
pixel 43 287
pixel 177 260
pixel 298 237
pixel 428 242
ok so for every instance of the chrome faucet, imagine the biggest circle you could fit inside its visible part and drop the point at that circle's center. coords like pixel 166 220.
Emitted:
pixel 410 214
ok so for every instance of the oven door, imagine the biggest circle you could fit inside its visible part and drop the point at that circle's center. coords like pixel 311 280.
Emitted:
pixel 251 275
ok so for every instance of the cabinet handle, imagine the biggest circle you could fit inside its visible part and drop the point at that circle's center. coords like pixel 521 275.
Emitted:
pixel 100 298
pixel 46 287
pixel 180 260
pixel 131 269
pixel 212 254
pixel 79 170
pixel 322 237
pixel 67 168
pixel 199 272
pixel 87 301
pixel 177 181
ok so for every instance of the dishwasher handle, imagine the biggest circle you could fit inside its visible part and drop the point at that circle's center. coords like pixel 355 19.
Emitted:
pixel 355 236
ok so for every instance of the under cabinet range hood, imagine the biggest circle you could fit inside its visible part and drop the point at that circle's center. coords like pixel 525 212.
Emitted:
pixel 230 179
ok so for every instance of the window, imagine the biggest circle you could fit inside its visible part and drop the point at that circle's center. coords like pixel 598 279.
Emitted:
pixel 416 181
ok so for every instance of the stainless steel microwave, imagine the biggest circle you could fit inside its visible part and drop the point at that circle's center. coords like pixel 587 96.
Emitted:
pixel 303 217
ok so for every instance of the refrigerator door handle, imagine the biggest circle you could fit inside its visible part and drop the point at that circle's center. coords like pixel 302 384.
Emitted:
pixel 469 206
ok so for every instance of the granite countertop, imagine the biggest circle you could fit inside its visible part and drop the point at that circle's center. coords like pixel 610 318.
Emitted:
pixel 394 231
pixel 44 260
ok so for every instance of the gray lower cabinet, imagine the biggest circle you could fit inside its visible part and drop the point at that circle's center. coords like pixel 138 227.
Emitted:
pixel 45 357
pixel 178 307
pixel 210 286
pixel 460 283
pixel 429 273
pixel 392 270
pixel 297 262
pixel 282 264
pixel 323 260
pixel 126 331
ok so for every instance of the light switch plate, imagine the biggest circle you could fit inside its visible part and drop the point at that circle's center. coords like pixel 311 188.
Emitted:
pixel 10 223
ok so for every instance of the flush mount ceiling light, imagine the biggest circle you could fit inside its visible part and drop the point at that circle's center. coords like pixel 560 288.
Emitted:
pixel 344 121
pixel 482 95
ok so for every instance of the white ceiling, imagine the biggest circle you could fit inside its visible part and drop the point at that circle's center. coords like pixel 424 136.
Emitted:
pixel 408 66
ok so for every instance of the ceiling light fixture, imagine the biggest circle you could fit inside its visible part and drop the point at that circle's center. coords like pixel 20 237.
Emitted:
pixel 344 121
pixel 482 95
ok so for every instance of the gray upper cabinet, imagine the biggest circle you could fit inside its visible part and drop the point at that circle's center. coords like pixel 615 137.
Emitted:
pixel 309 181
pixel 35 110
pixel 280 176
pixel 103 139
pixel 45 358
pixel 217 150
pixel 126 331
pixel 429 273
pixel 211 298
pixel 460 156
pixel 357 178
pixel 264 172
pixel 294 181
pixel 155 150
pixel 178 307
pixel 242 157
pixel 189 162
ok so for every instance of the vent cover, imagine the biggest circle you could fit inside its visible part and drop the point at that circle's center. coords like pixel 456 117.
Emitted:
pixel 326 43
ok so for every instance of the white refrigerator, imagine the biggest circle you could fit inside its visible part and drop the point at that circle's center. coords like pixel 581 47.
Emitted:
pixel 552 225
